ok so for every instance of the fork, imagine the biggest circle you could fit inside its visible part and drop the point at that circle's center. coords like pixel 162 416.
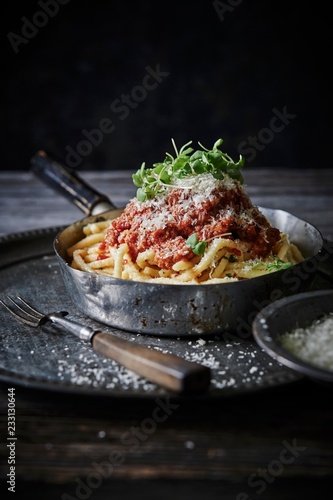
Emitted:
pixel 164 369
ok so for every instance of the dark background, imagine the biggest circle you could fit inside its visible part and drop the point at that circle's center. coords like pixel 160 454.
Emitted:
pixel 228 67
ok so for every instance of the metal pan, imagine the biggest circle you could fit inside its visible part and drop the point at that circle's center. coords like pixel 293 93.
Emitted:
pixel 177 310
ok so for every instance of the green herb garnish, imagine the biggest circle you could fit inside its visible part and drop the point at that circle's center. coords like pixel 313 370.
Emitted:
pixel 198 247
pixel 277 265
pixel 187 162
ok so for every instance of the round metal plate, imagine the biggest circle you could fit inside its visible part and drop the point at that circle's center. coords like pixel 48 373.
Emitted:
pixel 47 358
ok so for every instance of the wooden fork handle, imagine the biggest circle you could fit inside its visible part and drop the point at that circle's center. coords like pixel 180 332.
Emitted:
pixel 167 370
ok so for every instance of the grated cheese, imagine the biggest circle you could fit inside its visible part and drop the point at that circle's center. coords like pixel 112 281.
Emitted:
pixel 201 187
pixel 313 344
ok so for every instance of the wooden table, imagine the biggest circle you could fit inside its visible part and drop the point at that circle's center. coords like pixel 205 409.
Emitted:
pixel 276 443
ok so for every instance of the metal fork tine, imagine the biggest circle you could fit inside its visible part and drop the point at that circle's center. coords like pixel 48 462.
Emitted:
pixel 30 308
pixel 18 316
pixel 33 321
pixel 36 315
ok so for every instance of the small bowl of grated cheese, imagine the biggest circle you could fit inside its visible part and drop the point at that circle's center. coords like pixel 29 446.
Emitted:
pixel 297 331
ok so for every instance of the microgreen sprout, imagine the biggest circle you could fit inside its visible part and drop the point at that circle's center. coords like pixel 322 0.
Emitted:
pixel 277 265
pixel 187 162
pixel 197 246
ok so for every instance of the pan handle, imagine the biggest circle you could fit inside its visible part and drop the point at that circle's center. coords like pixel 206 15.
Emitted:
pixel 65 181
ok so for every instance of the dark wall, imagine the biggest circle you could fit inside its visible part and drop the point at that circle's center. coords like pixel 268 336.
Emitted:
pixel 115 81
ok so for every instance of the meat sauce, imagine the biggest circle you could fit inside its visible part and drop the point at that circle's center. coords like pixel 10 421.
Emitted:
pixel 164 224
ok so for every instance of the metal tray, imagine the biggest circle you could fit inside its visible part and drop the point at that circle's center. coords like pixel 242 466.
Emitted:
pixel 50 359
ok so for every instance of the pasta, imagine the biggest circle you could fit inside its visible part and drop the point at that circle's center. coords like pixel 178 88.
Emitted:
pixel 186 229
pixel 216 266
